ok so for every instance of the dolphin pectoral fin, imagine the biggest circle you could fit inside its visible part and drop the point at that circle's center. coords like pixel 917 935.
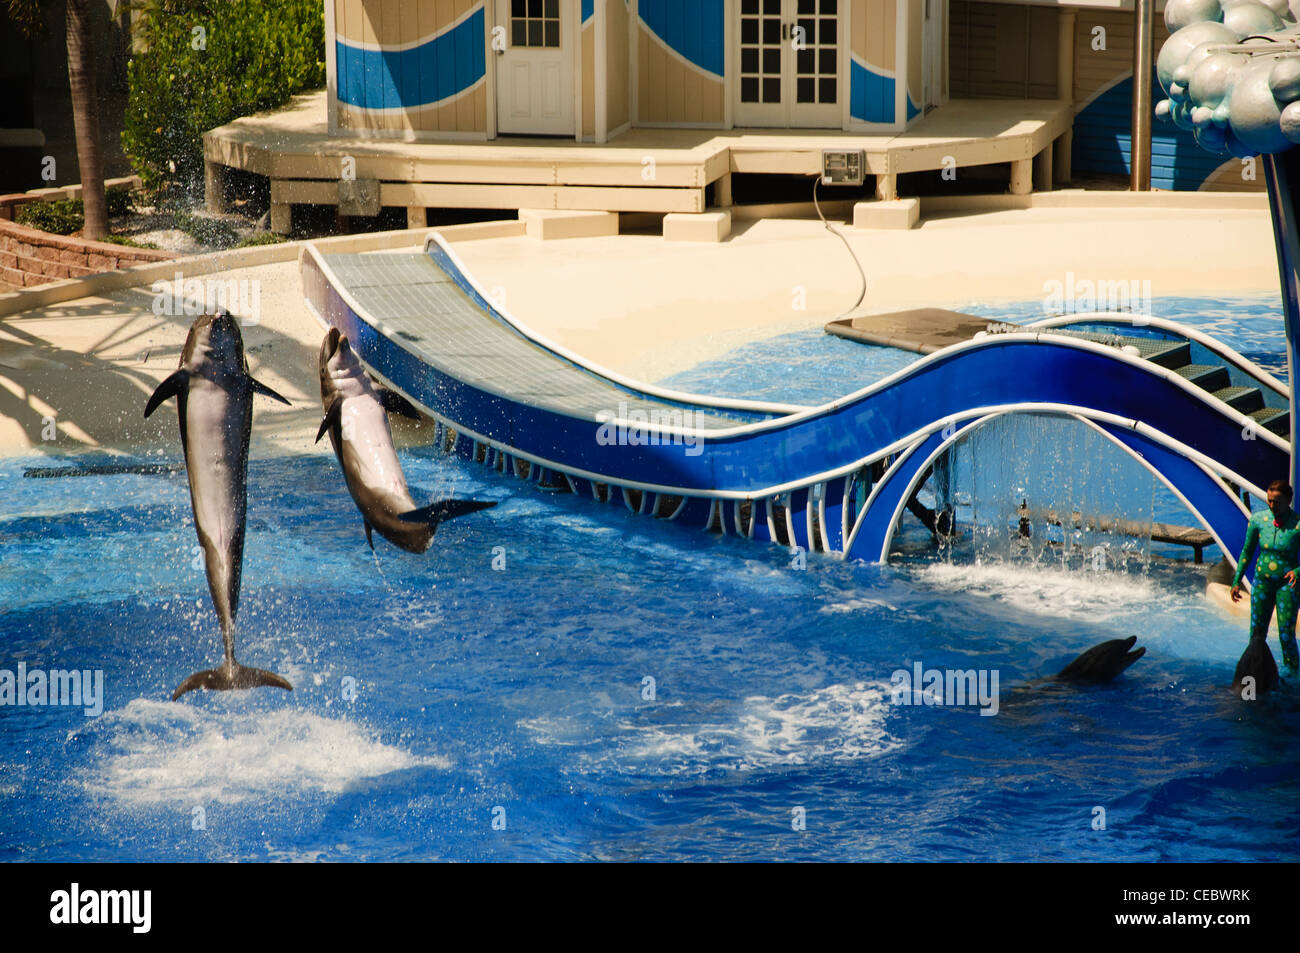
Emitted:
pixel 230 677
pixel 260 388
pixel 370 537
pixel 173 386
pixel 395 403
pixel 444 510
pixel 332 414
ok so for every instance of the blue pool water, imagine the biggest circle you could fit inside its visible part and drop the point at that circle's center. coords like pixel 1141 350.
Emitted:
pixel 519 694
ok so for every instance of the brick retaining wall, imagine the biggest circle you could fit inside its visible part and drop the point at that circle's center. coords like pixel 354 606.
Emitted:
pixel 29 256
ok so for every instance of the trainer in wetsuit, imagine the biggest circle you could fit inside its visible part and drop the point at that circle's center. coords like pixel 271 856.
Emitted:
pixel 1276 531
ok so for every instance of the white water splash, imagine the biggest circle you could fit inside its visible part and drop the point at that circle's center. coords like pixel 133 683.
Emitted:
pixel 839 723
pixel 858 604
pixel 160 752
pixel 1050 591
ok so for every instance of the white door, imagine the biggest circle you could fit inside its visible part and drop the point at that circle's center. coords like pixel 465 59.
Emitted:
pixel 789 63
pixel 535 67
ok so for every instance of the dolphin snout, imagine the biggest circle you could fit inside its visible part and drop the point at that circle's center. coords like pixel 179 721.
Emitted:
pixel 334 346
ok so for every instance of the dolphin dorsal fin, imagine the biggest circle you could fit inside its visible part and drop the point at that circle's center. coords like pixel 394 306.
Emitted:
pixel 260 388
pixel 332 414
pixel 173 386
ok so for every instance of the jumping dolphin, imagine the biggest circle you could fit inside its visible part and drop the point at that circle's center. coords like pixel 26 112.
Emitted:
pixel 1257 663
pixel 214 394
pixel 357 421
pixel 1103 662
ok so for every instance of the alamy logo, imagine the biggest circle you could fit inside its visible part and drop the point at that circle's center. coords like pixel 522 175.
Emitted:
pixel 639 428
pixel 193 297
pixel 934 686
pixel 73 906
pixel 1080 296
pixel 83 689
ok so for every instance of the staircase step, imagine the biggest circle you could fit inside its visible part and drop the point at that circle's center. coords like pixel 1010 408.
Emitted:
pixel 1211 377
pixel 1272 419
pixel 1169 354
pixel 1244 399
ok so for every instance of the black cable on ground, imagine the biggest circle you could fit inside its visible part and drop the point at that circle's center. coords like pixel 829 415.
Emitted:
pixel 817 180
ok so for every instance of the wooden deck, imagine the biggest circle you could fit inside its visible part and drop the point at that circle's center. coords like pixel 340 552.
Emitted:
pixel 641 170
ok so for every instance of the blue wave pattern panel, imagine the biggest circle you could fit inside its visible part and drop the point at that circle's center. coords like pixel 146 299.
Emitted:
pixel 1103 143
pixel 588 10
pixel 691 28
pixel 871 95
pixel 446 65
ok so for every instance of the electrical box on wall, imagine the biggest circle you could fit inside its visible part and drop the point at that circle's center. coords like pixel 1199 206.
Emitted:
pixel 843 167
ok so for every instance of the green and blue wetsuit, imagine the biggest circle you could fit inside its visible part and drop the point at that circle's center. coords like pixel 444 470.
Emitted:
pixel 1279 553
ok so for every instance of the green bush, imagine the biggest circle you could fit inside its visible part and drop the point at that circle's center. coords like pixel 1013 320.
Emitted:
pixel 65 216
pixel 207 231
pixel 255 55
pixel 119 201
pixel 62 217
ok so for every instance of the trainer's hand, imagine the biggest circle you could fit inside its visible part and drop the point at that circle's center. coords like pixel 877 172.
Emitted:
pixel 1236 593
pixel 1290 578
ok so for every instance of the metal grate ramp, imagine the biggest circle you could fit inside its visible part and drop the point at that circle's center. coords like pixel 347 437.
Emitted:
pixel 431 316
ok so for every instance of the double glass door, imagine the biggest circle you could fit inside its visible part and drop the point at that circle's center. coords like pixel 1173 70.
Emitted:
pixel 789 63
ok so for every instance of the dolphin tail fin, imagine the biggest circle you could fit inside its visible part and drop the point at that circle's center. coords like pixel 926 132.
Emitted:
pixel 1256 662
pixel 230 676
pixel 444 510
pixel 168 389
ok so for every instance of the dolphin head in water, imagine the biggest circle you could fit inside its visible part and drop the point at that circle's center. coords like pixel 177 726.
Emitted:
pixel 1103 662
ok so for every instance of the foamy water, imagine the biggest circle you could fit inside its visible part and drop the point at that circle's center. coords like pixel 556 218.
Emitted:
pixel 838 723
pixel 152 753
pixel 1044 590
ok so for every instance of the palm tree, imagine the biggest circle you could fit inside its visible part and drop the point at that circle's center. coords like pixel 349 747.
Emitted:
pixel 85 102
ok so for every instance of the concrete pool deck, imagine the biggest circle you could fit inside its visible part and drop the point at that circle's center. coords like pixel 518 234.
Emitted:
pixel 79 371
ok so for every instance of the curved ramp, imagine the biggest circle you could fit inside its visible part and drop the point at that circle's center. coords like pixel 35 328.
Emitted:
pixel 791 474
